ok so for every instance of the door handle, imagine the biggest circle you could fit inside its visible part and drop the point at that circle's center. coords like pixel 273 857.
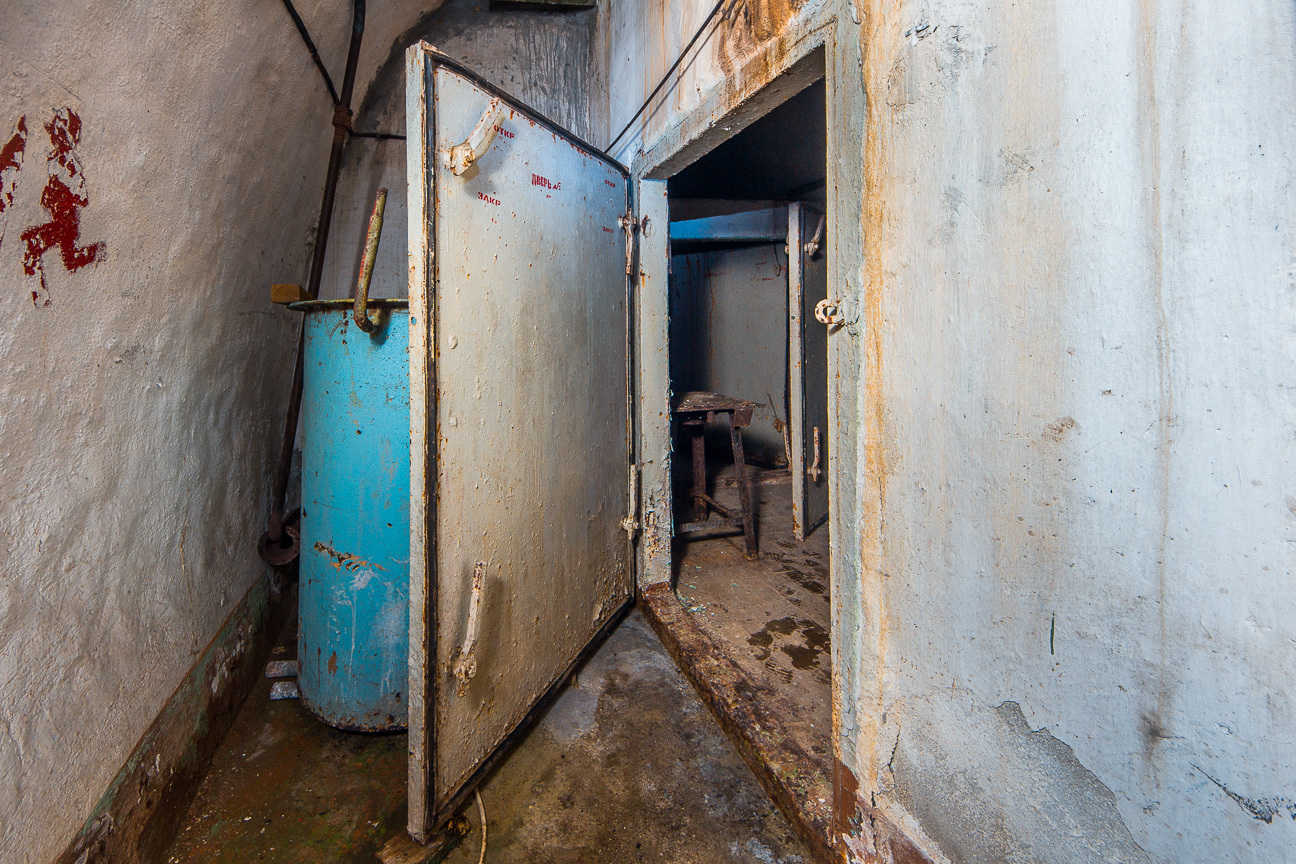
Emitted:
pixel 466 666
pixel 479 140
pixel 812 248
pixel 814 470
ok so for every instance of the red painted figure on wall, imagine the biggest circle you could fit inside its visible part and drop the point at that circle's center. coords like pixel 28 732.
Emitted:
pixel 64 196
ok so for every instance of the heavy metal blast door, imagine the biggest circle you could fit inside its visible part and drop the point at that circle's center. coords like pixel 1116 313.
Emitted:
pixel 520 448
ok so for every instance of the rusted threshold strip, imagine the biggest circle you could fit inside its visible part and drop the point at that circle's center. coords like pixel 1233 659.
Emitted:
pixel 797 784
pixel 137 816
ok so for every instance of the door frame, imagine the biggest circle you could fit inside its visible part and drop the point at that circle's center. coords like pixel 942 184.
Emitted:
pixel 827 46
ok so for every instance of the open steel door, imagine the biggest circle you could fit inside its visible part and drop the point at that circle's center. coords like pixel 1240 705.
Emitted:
pixel 807 369
pixel 519 408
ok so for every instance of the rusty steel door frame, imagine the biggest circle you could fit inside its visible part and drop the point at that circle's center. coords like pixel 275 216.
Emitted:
pixel 492 550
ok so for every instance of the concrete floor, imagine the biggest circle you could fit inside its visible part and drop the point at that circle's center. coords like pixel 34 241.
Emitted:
pixel 628 766
pixel 771 616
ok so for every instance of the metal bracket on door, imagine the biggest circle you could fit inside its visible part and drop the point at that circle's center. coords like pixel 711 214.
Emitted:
pixel 814 471
pixel 630 225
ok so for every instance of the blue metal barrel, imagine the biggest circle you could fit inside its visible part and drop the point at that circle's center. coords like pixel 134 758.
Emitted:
pixel 353 637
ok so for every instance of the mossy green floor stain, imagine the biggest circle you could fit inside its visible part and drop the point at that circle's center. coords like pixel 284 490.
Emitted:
pixel 627 766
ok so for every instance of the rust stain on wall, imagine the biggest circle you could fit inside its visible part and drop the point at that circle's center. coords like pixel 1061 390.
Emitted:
pixel 872 494
pixel 747 26
pixel 864 834
pixel 64 197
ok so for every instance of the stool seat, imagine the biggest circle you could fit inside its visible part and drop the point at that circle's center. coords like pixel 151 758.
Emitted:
pixel 693 410
pixel 700 401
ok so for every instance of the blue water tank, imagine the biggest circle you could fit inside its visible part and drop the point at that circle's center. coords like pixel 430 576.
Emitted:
pixel 353 636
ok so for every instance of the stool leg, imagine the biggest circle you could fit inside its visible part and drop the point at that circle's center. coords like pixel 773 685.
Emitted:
pixel 700 512
pixel 744 493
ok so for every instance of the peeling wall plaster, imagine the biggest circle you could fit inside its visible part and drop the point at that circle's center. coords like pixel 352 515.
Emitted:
pixel 1075 416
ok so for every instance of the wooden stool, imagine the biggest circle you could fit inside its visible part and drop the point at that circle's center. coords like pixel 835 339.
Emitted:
pixel 692 411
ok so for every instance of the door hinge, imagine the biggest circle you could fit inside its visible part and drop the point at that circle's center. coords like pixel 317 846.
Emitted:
pixel 630 225
pixel 630 523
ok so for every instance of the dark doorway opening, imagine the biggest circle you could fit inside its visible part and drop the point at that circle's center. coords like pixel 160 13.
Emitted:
pixel 747 268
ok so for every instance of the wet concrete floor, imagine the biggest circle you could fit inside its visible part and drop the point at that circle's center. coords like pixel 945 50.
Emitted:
pixel 627 766
pixel 770 616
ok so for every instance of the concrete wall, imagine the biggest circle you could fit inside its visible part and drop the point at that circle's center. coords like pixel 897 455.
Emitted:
pixel 1063 547
pixel 729 334
pixel 1083 299
pixel 144 378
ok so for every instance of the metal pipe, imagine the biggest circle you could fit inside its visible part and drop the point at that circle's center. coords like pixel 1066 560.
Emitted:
pixel 273 548
pixel 358 310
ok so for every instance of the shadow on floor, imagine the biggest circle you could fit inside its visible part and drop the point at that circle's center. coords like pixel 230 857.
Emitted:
pixel 627 766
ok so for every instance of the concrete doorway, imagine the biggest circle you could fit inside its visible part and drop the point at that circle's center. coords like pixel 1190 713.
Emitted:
pixel 747 267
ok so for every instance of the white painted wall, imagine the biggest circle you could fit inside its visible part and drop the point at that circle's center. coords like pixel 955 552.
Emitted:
pixel 1071 498
pixel 139 410
pixel 1085 314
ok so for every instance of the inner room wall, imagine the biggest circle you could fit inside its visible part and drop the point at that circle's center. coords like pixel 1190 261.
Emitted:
pixel 728 331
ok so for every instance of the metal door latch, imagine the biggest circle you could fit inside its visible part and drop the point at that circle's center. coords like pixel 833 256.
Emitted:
pixel 630 524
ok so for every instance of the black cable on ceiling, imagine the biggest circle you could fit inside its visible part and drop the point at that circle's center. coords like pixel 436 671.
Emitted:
pixel 310 46
pixel 669 72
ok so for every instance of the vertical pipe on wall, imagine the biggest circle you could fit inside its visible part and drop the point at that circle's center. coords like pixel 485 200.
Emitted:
pixel 272 547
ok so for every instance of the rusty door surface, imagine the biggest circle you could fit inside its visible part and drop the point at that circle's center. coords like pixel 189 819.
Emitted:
pixel 807 368
pixel 520 419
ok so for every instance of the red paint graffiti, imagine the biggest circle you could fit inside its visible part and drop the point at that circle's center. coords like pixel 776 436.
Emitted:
pixel 545 183
pixel 64 196
pixel 11 156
